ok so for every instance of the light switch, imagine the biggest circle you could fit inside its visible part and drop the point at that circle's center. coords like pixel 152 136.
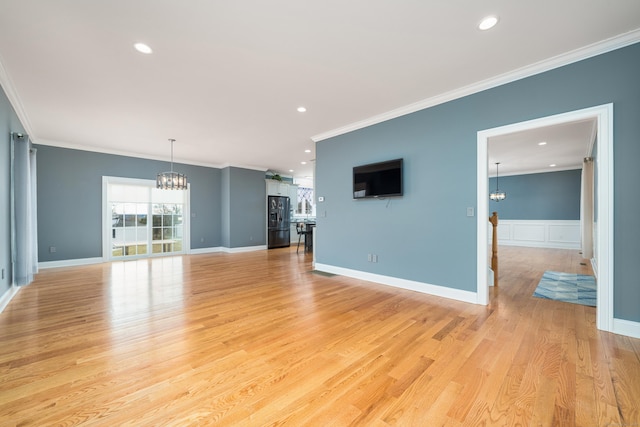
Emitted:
pixel 470 212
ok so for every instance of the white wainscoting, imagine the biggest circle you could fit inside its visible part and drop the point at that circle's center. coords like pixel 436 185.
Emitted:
pixel 560 234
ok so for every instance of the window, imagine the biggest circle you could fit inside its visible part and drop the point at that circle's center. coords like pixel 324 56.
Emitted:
pixel 305 201
pixel 167 228
pixel 141 220
pixel 129 229
pixel 305 205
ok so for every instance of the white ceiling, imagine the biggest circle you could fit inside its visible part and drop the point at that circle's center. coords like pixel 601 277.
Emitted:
pixel 226 77
pixel 564 146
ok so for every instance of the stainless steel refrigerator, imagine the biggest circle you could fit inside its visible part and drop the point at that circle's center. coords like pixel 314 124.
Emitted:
pixel 278 222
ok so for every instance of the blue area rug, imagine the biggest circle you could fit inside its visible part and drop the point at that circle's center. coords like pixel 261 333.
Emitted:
pixel 567 287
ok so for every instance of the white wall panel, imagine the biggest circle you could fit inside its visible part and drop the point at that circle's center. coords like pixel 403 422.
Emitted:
pixel 563 233
pixel 528 232
pixel 538 233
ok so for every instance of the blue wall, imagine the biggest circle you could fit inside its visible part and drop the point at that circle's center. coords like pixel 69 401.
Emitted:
pixel 248 205
pixel 425 235
pixel 70 201
pixel 540 196
pixel 226 210
pixel 244 208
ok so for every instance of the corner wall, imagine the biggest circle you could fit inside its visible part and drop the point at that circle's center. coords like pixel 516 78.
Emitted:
pixel 426 236
pixel 70 200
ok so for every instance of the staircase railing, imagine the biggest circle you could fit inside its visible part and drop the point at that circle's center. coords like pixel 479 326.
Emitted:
pixel 493 219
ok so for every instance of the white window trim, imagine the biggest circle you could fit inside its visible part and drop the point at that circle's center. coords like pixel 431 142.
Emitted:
pixel 106 220
pixel 302 216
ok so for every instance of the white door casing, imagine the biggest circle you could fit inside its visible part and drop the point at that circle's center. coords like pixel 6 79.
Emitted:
pixel 604 190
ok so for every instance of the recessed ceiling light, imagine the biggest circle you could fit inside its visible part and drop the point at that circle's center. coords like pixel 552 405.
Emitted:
pixel 303 163
pixel 290 170
pixel 142 48
pixel 488 22
pixel 307 151
pixel 301 109
pixel 552 165
pixel 542 143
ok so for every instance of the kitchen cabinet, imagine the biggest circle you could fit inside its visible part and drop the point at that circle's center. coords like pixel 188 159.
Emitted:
pixel 277 188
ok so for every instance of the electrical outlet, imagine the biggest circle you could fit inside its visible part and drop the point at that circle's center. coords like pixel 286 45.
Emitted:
pixel 470 212
pixel 52 249
pixel 369 257
pixel 374 258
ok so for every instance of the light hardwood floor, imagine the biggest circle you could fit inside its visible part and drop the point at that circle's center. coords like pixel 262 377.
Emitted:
pixel 257 339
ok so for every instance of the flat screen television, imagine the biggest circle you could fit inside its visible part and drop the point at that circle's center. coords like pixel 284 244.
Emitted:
pixel 383 179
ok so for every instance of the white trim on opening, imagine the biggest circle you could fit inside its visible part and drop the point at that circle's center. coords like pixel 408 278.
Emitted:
pixel 604 229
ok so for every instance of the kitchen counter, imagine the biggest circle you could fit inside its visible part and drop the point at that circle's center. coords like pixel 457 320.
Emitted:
pixel 294 233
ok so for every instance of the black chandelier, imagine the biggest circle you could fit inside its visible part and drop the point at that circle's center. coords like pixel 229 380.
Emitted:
pixel 171 180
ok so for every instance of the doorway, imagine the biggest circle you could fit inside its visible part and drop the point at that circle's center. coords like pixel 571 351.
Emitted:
pixel 604 196
pixel 141 221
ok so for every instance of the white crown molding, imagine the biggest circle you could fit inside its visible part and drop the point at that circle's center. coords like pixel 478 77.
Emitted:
pixel 241 166
pixel 535 171
pixel 93 149
pixel 14 99
pixel 16 103
pixel 558 61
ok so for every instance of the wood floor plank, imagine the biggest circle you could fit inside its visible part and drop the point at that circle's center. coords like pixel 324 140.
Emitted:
pixel 257 339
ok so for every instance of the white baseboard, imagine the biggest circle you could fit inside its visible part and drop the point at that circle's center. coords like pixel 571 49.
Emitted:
pixel 244 249
pixel 70 262
pixel 8 296
pixel 425 288
pixel 557 234
pixel 205 251
pixel 626 327
pixel 227 250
